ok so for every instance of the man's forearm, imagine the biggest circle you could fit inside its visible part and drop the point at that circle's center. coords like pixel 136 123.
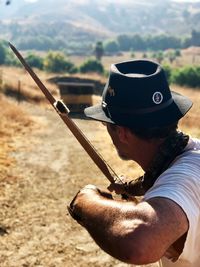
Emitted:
pixel 107 221
pixel 133 233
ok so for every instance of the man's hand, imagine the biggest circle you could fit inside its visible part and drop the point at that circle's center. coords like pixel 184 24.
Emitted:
pixel 79 203
pixel 118 188
pixel 121 188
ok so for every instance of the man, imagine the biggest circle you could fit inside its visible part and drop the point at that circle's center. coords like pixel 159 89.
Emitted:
pixel 141 116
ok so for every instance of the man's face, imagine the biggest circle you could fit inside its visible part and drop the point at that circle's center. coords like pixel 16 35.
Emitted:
pixel 121 148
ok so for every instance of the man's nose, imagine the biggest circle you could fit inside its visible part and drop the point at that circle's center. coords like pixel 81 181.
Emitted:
pixel 104 123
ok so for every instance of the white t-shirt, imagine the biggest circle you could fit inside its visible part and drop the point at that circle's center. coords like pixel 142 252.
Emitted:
pixel 181 183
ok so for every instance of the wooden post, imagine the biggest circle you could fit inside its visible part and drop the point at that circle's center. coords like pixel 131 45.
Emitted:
pixel 19 91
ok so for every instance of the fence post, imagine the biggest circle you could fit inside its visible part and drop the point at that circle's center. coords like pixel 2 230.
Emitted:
pixel 19 91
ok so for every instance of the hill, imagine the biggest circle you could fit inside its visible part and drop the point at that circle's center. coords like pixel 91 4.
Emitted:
pixel 83 22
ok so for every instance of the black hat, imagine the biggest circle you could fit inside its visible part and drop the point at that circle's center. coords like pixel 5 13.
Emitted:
pixel 137 95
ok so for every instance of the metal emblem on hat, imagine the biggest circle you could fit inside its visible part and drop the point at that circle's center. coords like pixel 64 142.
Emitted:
pixel 111 91
pixel 157 97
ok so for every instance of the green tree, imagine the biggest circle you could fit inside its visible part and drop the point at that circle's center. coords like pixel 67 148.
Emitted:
pixel 12 60
pixel 159 56
pixel 92 65
pixel 57 62
pixel 171 56
pixel 195 39
pixel 186 42
pixel 2 53
pixel 35 61
pixel 125 42
pixel 111 46
pixel 187 76
pixel 99 50
pixel 162 42
pixel 177 52
pixel 138 43
pixel 168 72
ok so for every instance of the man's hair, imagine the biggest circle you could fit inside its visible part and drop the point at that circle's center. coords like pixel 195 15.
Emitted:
pixel 156 132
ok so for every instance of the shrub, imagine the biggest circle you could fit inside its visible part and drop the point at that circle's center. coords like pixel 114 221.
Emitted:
pixel 187 76
pixel 92 65
pixel 12 60
pixel 57 62
pixel 2 53
pixel 111 46
pixel 168 72
pixel 99 50
pixel 35 61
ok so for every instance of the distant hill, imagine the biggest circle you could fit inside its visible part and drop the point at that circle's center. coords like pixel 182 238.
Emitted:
pixel 86 21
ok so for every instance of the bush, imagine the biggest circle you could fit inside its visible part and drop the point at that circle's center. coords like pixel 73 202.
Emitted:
pixel 99 50
pixel 7 57
pixel 111 46
pixel 92 65
pixel 187 76
pixel 2 53
pixel 35 61
pixel 168 72
pixel 57 62
pixel 12 60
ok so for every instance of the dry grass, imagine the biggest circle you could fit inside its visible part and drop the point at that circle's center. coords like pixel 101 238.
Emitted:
pixel 18 83
pixel 191 122
pixel 14 122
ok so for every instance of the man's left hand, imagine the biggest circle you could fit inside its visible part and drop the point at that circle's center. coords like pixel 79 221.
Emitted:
pixel 82 201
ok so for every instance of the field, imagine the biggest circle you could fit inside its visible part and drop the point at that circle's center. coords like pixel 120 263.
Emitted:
pixel 190 56
pixel 42 166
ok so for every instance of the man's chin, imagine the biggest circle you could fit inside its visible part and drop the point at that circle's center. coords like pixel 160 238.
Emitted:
pixel 123 157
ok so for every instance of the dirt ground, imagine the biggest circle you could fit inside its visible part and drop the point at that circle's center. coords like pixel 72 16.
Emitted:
pixel 35 228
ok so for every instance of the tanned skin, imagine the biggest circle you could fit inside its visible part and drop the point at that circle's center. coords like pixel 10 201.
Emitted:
pixel 133 233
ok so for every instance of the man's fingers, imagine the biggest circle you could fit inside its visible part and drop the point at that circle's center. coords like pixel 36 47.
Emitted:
pixel 117 188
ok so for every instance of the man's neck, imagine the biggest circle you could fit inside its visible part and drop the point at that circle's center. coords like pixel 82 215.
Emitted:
pixel 147 150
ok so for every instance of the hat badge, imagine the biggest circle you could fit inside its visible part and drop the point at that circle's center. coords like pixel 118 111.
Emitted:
pixel 111 91
pixel 157 98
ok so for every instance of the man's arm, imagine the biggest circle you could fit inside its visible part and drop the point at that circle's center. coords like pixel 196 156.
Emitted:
pixel 136 234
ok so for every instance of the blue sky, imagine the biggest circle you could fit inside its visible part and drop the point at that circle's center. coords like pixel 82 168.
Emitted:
pixel 161 0
pixel 31 1
pixel 187 0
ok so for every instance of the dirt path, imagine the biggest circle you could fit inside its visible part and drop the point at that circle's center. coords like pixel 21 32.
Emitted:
pixel 35 229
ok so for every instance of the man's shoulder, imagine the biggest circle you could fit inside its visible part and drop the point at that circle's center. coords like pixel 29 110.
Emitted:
pixel 189 158
pixel 193 145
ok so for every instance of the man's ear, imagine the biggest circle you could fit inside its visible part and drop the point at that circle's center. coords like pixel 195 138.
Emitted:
pixel 123 134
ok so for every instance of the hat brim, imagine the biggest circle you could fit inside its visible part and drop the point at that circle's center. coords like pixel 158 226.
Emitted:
pixel 166 116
